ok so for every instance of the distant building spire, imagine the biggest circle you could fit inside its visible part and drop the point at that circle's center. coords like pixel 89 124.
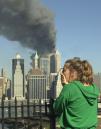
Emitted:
pixel 35 61
pixel 3 73
pixel 57 52
pixel 18 56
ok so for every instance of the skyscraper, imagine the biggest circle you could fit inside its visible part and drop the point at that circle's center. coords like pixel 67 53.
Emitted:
pixel 56 85
pixel 55 62
pixel 38 86
pixel 97 80
pixel 4 84
pixel 1 86
pixel 43 75
pixel 44 64
pixel 18 89
pixel 38 79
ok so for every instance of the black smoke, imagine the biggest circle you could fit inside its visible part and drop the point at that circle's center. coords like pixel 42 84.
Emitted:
pixel 28 22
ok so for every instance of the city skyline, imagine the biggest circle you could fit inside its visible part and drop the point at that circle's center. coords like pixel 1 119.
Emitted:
pixel 78 34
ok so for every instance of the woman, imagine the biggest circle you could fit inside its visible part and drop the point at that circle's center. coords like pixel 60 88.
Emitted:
pixel 76 106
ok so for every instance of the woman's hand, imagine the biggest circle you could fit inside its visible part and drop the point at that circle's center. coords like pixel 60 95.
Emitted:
pixel 63 79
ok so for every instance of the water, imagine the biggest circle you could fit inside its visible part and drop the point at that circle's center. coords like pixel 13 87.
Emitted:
pixel 35 125
pixel 12 112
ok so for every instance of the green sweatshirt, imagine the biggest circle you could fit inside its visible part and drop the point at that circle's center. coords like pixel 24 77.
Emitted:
pixel 76 106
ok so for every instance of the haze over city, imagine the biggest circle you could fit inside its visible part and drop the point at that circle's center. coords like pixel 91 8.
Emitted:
pixel 78 33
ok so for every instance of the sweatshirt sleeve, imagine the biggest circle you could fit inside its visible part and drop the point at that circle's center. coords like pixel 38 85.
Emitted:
pixel 61 102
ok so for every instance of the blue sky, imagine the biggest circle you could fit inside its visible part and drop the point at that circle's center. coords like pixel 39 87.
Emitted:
pixel 78 26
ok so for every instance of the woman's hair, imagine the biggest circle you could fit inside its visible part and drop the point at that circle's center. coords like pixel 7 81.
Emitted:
pixel 75 67
pixel 80 70
pixel 87 72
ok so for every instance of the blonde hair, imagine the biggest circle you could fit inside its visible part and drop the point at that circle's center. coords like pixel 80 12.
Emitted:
pixel 82 69
pixel 87 72
pixel 75 67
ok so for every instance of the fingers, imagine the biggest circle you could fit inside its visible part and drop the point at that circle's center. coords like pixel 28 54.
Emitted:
pixel 63 79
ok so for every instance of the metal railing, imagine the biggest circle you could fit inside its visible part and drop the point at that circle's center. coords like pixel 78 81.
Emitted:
pixel 22 114
pixel 17 113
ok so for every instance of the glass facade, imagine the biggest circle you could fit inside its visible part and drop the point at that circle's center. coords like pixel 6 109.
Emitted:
pixel 38 85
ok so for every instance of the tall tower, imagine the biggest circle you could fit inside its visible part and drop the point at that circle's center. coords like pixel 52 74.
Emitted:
pixel 38 85
pixel 18 89
pixel 97 80
pixel 44 64
pixel 36 61
pixel 56 85
pixel 55 62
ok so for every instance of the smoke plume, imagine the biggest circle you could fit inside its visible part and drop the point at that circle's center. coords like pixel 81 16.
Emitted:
pixel 28 22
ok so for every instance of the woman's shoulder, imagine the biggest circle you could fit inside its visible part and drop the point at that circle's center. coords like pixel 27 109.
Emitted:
pixel 70 85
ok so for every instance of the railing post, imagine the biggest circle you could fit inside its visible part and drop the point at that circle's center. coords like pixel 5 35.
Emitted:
pixel 40 110
pixel 2 105
pixel 28 107
pixel 15 113
pixel 52 115
pixel 34 109
pixel 28 111
pixel 45 108
pixel 22 110
pixel 9 109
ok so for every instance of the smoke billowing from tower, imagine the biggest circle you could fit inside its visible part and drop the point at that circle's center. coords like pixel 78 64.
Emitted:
pixel 28 22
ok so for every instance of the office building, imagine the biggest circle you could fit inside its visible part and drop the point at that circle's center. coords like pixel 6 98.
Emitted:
pixel 97 80
pixel 38 80
pixel 18 88
pixel 38 84
pixel 4 84
pixel 55 62
pixel 56 85
pixel 1 86
pixel 44 64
